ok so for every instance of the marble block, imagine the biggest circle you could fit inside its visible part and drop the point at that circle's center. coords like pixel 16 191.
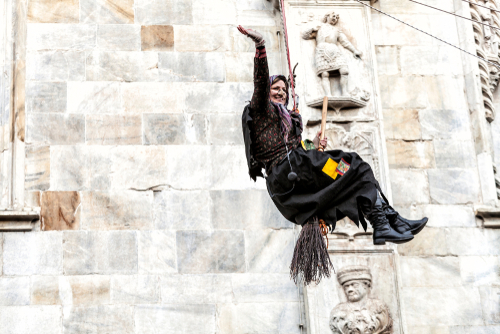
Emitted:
pixel 113 129
pixel 132 289
pixel 119 37
pixel 14 291
pixel 55 65
pixel 196 289
pixel 43 36
pixel 157 38
pixel 174 129
pixel 107 11
pixel 112 319
pixel 122 66
pixel 46 97
pixel 60 210
pixel 48 11
pixel 191 66
pixel 40 319
pixel 157 252
pixel 148 12
pixel 90 97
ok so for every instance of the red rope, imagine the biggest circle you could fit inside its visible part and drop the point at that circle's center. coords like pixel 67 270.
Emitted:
pixel 283 20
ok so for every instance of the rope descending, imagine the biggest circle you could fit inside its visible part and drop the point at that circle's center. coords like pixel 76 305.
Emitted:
pixel 310 256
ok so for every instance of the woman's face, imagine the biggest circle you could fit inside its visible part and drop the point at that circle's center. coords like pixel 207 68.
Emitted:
pixel 278 92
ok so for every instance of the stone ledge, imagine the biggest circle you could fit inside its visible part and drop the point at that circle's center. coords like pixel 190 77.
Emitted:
pixel 17 220
pixel 489 214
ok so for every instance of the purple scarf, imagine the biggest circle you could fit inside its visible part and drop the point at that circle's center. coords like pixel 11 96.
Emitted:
pixel 288 118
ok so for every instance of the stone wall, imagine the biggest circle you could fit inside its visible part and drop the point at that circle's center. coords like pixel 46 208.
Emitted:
pixel 149 222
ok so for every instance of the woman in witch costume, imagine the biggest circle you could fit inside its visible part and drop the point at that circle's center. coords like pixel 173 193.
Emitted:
pixel 305 184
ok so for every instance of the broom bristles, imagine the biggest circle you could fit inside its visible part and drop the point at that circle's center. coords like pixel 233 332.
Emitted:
pixel 310 256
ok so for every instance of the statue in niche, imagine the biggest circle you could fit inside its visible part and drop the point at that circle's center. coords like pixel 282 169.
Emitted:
pixel 360 314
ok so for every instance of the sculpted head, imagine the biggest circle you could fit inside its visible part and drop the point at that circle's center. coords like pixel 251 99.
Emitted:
pixel 356 282
pixel 331 18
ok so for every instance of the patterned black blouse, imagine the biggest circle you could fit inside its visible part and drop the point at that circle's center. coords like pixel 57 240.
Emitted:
pixel 269 144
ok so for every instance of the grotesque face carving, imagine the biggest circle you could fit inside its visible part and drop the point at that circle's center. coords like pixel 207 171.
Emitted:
pixel 356 290
pixel 331 18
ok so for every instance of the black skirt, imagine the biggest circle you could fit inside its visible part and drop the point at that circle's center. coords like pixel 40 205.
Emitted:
pixel 329 185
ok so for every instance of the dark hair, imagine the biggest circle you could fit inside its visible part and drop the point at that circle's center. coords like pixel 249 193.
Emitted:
pixel 282 78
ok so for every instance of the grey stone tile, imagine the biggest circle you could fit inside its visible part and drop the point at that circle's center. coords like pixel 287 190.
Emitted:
pixel 32 253
pixel 191 66
pixel 409 186
pixel 158 97
pixel 233 173
pixel 402 124
pixel 119 37
pixel 239 66
pixel 37 167
pixel 444 124
pixel 94 97
pixel 429 242
pixel 449 216
pixel 269 251
pixel 60 210
pixel 163 12
pixel 122 66
pixel 480 270
pixel 214 12
pixel 14 291
pixel 113 129
pixel 112 319
pixel 123 210
pixel 157 252
pixel 475 329
pixel 69 167
pixel 263 288
pixel 31 319
pixel 490 302
pixel 196 289
pixel 48 11
pixel 225 129
pixel 453 186
pixel 135 289
pixel 206 38
pixel 57 65
pixel 46 97
pixel 197 157
pixel 107 11
pixel 210 252
pixel 157 38
pixel 45 290
pixel 256 17
pixel 175 319
pixel 100 253
pixel 223 97
pixel 174 129
pixel 454 154
pixel 43 36
pixel 182 210
pixel 387 59
pixel 430 272
pixel 404 154
pixel 473 241
pixel 442 306
pixel 429 60
pixel 85 290
pixel 55 129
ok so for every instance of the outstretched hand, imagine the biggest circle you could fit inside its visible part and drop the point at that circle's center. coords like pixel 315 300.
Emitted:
pixel 320 143
pixel 253 35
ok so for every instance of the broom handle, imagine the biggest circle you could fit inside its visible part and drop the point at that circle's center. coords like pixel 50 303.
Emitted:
pixel 323 121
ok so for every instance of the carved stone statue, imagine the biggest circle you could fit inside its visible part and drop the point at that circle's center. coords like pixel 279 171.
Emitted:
pixel 328 56
pixel 360 314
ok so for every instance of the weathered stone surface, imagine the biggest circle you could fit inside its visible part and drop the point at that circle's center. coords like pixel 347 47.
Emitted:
pixel 429 329
pixel 37 168
pixel 45 290
pixel 404 154
pixel 243 44
pixel 233 174
pixel 453 186
pixel 454 154
pixel 30 319
pixel 60 210
pixel 474 329
pixel 163 12
pixel 174 129
pixel 409 186
pixel 32 254
pixel 429 242
pixel 444 124
pixel 473 241
pixel 448 216
pixel 14 291
pixel 197 176
pixel 401 124
pixel 429 60
pixel 256 17
pixel 396 7
pixel 196 289
pixel 46 97
pixel 94 97
pixel 122 66
pixel 119 37
pixel 191 66
pixel 387 60
pixel 55 129
pixel 490 302
pixel 202 38
pixel 263 288
pixel 157 38
pixel 259 318
pixel 239 215
pixel 442 306
pixel 69 168
pixel 47 11
pixel 182 210
pixel 55 65
pixel 225 129
pixel 175 319
pixel 159 97
pixel 269 251
pixel 113 319
pixel 100 253
pixel 239 66
pixel 123 210
pixel 224 98
pixel 88 290
pixel 43 36
pixel 107 11
pixel 113 129
pixel 210 252
pixel 480 270
pixel 135 289
pixel 214 12
pixel 157 252
pixel 430 272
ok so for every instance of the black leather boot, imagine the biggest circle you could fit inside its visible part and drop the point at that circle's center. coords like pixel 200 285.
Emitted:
pixel 382 231
pixel 400 224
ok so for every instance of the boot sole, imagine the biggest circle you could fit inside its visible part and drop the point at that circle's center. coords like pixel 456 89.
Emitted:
pixel 383 241
pixel 420 228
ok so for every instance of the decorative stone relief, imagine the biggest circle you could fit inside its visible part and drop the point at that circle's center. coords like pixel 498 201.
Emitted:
pixel 487 47
pixel 360 314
